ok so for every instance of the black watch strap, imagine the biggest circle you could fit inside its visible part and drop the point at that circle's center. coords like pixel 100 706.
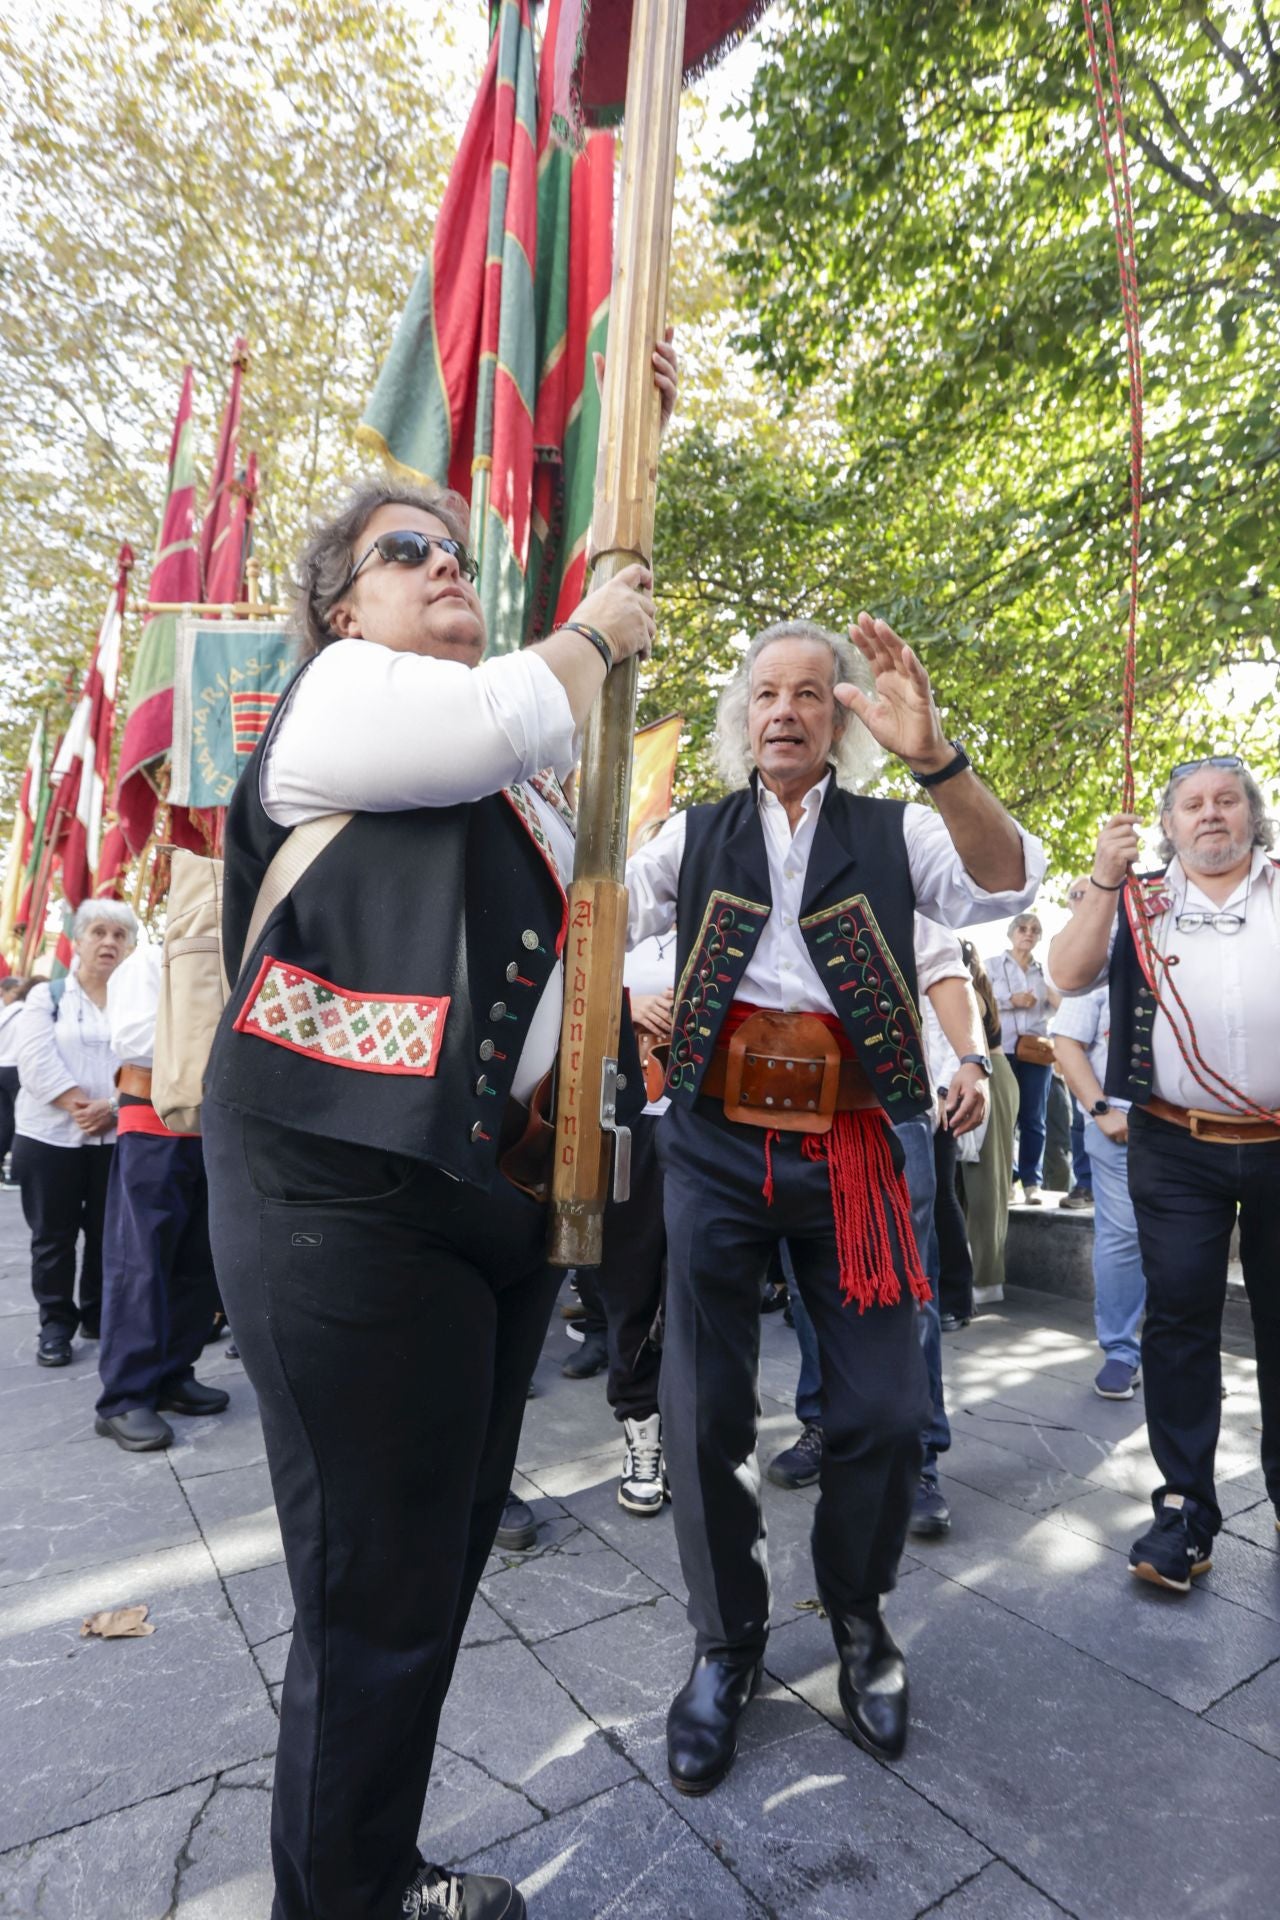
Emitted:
pixel 976 1060
pixel 949 772
pixel 1099 1107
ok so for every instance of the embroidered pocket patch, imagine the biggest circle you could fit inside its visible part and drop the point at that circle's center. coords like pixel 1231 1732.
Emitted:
pixel 374 1033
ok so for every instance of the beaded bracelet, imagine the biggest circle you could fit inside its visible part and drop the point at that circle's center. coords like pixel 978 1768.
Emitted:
pixel 596 638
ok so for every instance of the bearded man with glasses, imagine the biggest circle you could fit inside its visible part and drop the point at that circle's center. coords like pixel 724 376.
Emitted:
pixel 1199 1159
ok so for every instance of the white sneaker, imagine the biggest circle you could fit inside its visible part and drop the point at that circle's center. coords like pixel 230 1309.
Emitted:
pixel 1032 1197
pixel 1015 1194
pixel 643 1486
pixel 988 1296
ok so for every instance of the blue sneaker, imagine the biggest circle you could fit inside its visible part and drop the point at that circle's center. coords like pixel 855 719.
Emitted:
pixel 1176 1546
pixel 1117 1380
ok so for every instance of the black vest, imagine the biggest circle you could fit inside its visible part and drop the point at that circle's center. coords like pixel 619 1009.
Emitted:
pixel 388 998
pixel 1132 1006
pixel 857 921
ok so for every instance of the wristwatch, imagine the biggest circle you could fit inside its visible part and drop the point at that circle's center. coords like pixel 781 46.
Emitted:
pixel 977 1060
pixel 1098 1108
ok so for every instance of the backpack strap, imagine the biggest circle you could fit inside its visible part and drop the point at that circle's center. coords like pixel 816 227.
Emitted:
pixel 56 990
pixel 292 858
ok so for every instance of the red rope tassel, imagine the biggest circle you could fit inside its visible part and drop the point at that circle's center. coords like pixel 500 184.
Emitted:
pixel 771 1135
pixel 867 1192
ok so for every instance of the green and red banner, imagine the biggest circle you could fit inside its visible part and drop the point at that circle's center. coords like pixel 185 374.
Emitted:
pixel 175 577
pixel 222 530
pixel 83 763
pixel 488 387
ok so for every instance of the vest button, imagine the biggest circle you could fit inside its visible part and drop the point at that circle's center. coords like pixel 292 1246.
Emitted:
pixel 622 1083
pixel 482 1085
pixel 486 1049
pixel 478 1132
pixel 529 939
pixel 498 1011
pixel 513 970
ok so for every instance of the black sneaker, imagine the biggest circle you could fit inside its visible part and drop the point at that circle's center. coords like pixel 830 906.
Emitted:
pixel 517 1529
pixel 798 1466
pixel 591 1358
pixel 439 1895
pixel 930 1514
pixel 1171 1552
pixel 54 1348
pixel 1076 1201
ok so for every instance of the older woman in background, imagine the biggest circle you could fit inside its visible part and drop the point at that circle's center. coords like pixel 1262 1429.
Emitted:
pixel 66 1126
pixel 1025 1000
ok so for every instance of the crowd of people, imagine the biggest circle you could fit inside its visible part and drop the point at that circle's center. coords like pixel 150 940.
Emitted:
pixel 833 1100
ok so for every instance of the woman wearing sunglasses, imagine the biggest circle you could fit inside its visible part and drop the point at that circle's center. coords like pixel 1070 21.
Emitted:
pixel 375 1066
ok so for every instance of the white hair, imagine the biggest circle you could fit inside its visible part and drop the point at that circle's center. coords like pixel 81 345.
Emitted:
pixel 854 754
pixel 93 913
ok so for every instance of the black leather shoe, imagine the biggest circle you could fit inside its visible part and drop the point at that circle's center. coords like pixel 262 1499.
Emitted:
pixel 702 1722
pixel 191 1397
pixel 54 1348
pixel 953 1322
pixel 138 1431
pixel 873 1681
pixel 592 1357
pixel 517 1529
pixel 437 1894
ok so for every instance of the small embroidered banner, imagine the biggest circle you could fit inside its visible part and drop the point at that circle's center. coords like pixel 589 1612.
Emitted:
pixel 373 1033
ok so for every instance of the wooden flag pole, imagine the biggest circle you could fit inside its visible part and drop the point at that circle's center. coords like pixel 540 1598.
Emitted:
pixel 621 532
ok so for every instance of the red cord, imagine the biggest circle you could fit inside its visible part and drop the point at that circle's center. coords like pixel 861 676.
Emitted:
pixel 1115 153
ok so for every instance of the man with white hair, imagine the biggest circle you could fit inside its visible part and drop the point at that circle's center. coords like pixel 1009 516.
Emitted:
pixel 795 1045
pixel 1203 1133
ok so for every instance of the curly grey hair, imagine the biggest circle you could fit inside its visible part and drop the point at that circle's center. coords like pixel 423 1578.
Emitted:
pixel 113 913
pixel 854 754
pixel 1262 829
pixel 330 552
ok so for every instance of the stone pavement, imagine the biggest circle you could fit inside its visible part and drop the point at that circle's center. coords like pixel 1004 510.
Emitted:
pixel 1080 1744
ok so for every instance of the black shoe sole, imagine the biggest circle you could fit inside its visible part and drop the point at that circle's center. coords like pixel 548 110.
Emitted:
pixel 108 1432
pixel 192 1413
pixel 694 1789
pixel 791 1484
pixel 54 1359
pixel 928 1529
pixel 513 1540
pixel 1144 1570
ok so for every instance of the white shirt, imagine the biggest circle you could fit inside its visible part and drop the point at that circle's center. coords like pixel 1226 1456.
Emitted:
pixel 369 730
pixel 1008 978
pixel 133 995
pixel 651 968
pixel 55 1055
pixel 938 957
pixel 9 1033
pixel 780 972
pixel 1228 984
pixel 1086 1017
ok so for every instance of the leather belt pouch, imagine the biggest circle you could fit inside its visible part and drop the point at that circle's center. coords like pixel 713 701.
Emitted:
pixel 1218 1127
pixel 782 1070
pixel 134 1080
pixel 526 1142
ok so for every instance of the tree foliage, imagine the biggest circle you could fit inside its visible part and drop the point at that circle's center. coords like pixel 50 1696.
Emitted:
pixel 925 266
pixel 178 173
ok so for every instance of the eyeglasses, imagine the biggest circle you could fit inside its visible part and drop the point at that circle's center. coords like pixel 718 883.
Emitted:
pixel 1229 762
pixel 1221 922
pixel 409 548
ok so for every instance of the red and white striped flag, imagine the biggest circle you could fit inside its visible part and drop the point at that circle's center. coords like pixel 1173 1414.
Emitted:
pixel 83 766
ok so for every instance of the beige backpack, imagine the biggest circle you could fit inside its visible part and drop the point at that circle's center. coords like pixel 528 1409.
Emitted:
pixel 194 987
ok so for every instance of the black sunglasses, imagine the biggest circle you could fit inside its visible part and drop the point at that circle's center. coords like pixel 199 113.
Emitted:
pixel 1230 762
pixel 409 548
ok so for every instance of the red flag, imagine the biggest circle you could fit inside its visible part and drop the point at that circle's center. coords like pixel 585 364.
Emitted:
pixel 590 41
pixel 175 576
pixel 218 558
pixel 225 583
pixel 83 764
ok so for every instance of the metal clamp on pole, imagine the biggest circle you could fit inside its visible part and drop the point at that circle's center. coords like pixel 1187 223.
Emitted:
pixel 610 1080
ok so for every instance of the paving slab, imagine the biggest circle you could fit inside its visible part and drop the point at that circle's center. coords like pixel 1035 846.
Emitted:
pixel 1257 1523
pixel 509 1714
pixel 224 1869
pixel 1036 1486
pixel 621 1856
pixel 61 1510
pixel 1253 1711
pixel 120 1867
pixel 570 1577
pixel 997 1893
pixel 468 1811
pixel 1005 1736
pixel 262 1601
pixel 90 1726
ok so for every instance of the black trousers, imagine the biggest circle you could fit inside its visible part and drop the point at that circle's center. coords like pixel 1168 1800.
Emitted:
pixel 159 1295
pixel 955 1262
pixel 629 1280
pixel 64 1196
pixel 875 1392
pixel 390 1319
pixel 8 1094
pixel 1186 1195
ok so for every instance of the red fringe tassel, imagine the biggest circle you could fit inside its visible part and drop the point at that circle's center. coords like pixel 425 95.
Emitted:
pixel 866 1191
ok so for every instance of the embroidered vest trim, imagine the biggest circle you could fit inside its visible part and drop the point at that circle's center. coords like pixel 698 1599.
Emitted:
pixel 730 928
pixel 879 994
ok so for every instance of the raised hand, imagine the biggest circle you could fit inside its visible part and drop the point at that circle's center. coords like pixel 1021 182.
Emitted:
pixel 1117 850
pixel 900 716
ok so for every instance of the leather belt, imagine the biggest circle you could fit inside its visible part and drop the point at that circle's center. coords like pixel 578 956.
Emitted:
pixel 786 1071
pixel 134 1080
pixel 1221 1127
